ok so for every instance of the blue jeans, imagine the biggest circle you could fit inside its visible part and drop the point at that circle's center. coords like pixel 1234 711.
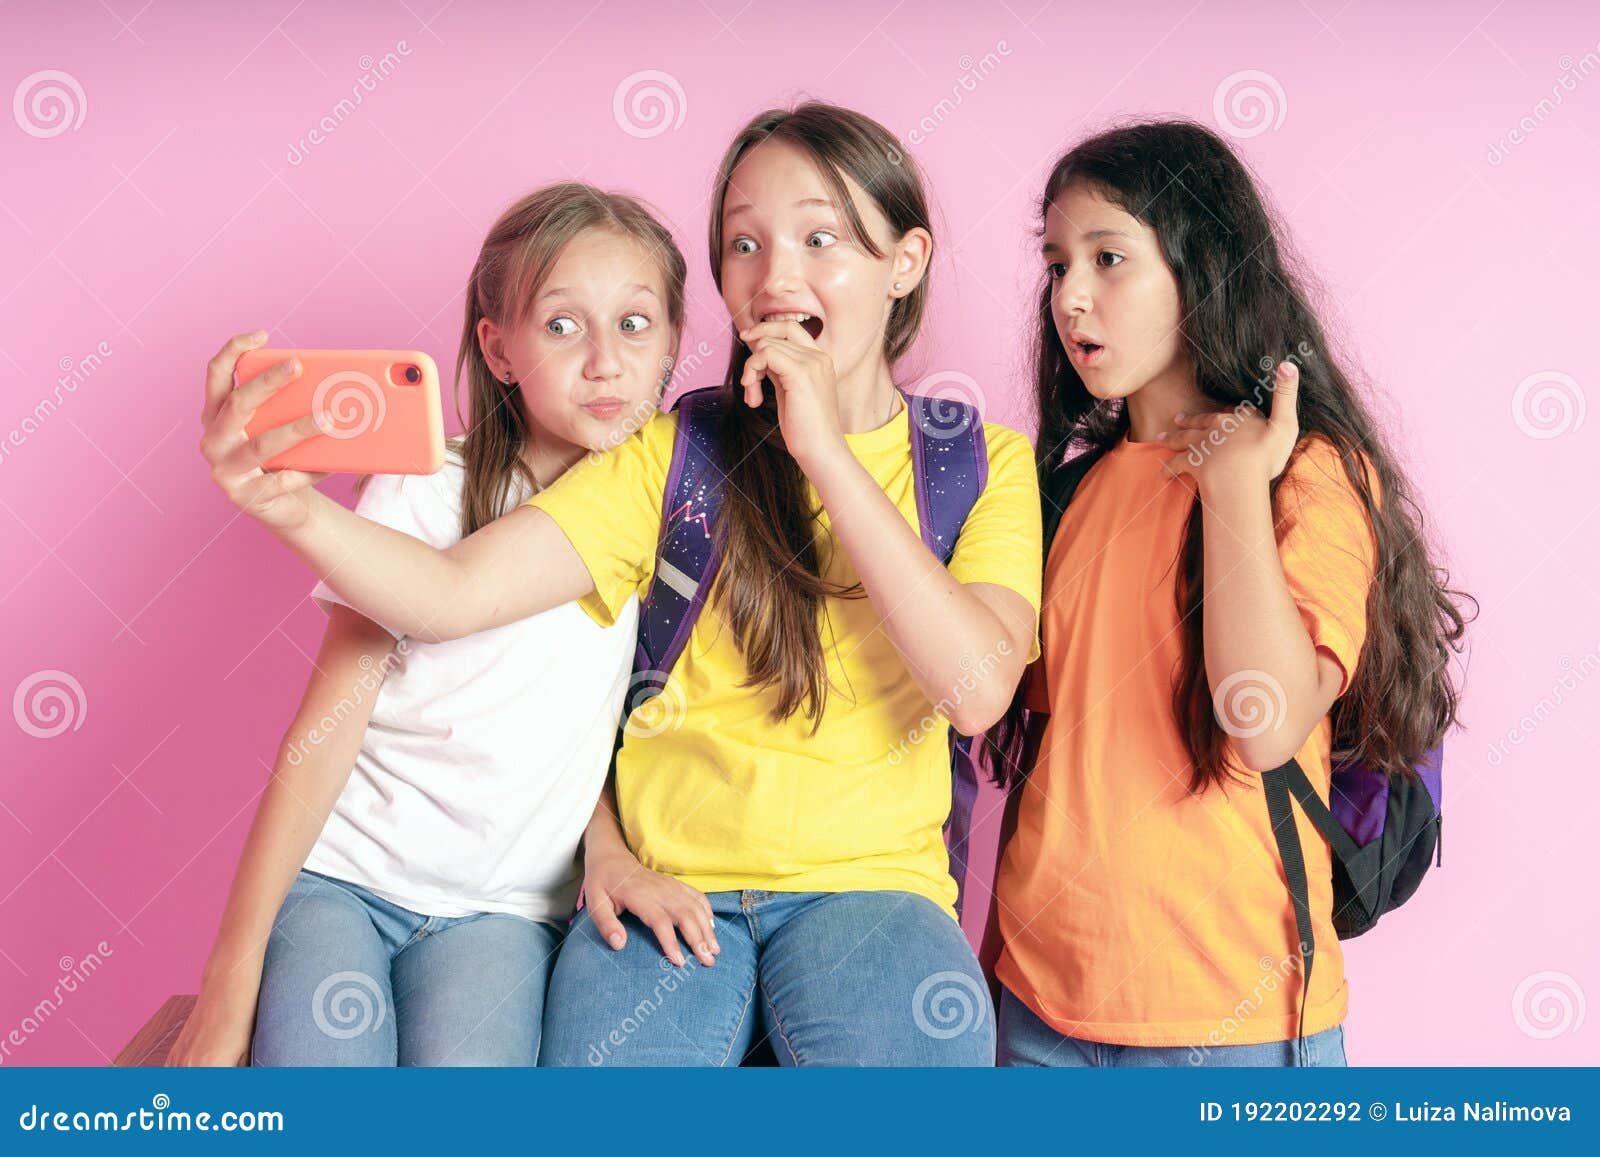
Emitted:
pixel 351 979
pixel 835 978
pixel 1026 1041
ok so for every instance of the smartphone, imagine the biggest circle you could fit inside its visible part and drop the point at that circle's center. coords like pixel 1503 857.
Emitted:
pixel 384 405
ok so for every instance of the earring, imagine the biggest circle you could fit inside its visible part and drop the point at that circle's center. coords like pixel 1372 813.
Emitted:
pixel 508 377
pixel 897 287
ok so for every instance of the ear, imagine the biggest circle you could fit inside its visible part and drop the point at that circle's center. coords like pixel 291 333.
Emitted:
pixel 910 260
pixel 492 342
pixel 669 364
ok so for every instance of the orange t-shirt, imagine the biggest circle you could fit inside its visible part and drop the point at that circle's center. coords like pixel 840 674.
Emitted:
pixel 1132 911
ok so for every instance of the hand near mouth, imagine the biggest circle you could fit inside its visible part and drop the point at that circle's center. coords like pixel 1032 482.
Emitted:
pixel 786 354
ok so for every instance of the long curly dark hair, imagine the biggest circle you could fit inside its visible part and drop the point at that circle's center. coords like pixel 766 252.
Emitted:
pixel 1244 309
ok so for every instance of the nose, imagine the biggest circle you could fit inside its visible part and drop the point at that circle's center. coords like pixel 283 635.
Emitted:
pixel 603 362
pixel 782 272
pixel 1072 294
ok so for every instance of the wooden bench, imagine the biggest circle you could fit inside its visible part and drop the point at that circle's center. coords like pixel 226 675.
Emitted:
pixel 150 1045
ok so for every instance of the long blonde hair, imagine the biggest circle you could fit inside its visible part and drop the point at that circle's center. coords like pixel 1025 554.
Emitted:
pixel 516 258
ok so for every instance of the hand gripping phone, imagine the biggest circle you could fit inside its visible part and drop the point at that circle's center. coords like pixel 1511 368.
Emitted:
pixel 384 405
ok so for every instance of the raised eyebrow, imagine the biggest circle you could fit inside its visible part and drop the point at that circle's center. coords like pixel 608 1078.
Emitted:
pixel 803 203
pixel 564 291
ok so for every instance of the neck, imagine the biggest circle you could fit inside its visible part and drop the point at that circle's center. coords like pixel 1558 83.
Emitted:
pixel 867 398
pixel 547 456
pixel 1151 407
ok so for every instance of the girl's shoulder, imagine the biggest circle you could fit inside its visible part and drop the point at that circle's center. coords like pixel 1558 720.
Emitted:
pixel 1318 476
pixel 1318 463
pixel 1004 443
pixel 426 506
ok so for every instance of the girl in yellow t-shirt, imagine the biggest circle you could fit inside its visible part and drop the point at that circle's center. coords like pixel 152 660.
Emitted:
pixel 787 772
pixel 1239 580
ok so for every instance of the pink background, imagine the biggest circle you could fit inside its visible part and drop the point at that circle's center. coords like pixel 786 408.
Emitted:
pixel 1459 271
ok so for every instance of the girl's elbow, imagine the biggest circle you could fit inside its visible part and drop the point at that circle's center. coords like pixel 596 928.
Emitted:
pixel 1268 751
pixel 978 714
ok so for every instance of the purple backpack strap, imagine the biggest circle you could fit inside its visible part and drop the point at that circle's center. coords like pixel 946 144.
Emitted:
pixel 686 556
pixel 950 467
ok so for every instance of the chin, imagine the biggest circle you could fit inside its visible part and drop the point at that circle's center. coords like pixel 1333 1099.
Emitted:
pixel 1102 390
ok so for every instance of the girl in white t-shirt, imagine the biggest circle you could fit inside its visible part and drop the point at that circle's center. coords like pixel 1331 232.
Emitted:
pixel 437 793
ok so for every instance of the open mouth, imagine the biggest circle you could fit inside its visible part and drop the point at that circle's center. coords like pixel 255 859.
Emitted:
pixel 1085 352
pixel 809 322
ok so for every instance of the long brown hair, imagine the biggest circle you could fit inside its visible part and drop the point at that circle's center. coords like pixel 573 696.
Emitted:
pixel 513 263
pixel 771 590
pixel 1244 309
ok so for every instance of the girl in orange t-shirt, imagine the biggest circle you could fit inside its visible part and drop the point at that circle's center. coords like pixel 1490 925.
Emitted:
pixel 1239 579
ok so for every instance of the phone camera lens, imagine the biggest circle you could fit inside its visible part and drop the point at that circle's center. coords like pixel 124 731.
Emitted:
pixel 413 375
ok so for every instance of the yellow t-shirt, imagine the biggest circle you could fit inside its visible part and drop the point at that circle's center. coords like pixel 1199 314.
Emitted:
pixel 711 789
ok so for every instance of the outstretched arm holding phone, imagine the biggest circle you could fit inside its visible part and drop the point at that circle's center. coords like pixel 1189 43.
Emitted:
pixel 517 566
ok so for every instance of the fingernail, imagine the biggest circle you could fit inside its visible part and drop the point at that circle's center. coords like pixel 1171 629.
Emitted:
pixel 1180 415
pixel 616 940
pixel 260 335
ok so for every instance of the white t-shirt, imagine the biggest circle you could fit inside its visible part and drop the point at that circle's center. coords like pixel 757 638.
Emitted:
pixel 485 755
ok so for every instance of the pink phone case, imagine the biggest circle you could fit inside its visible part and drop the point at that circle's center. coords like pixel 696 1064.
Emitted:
pixel 384 405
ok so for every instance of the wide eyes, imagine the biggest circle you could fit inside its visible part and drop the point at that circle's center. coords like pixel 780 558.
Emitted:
pixel 816 239
pixel 565 326
pixel 1106 259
